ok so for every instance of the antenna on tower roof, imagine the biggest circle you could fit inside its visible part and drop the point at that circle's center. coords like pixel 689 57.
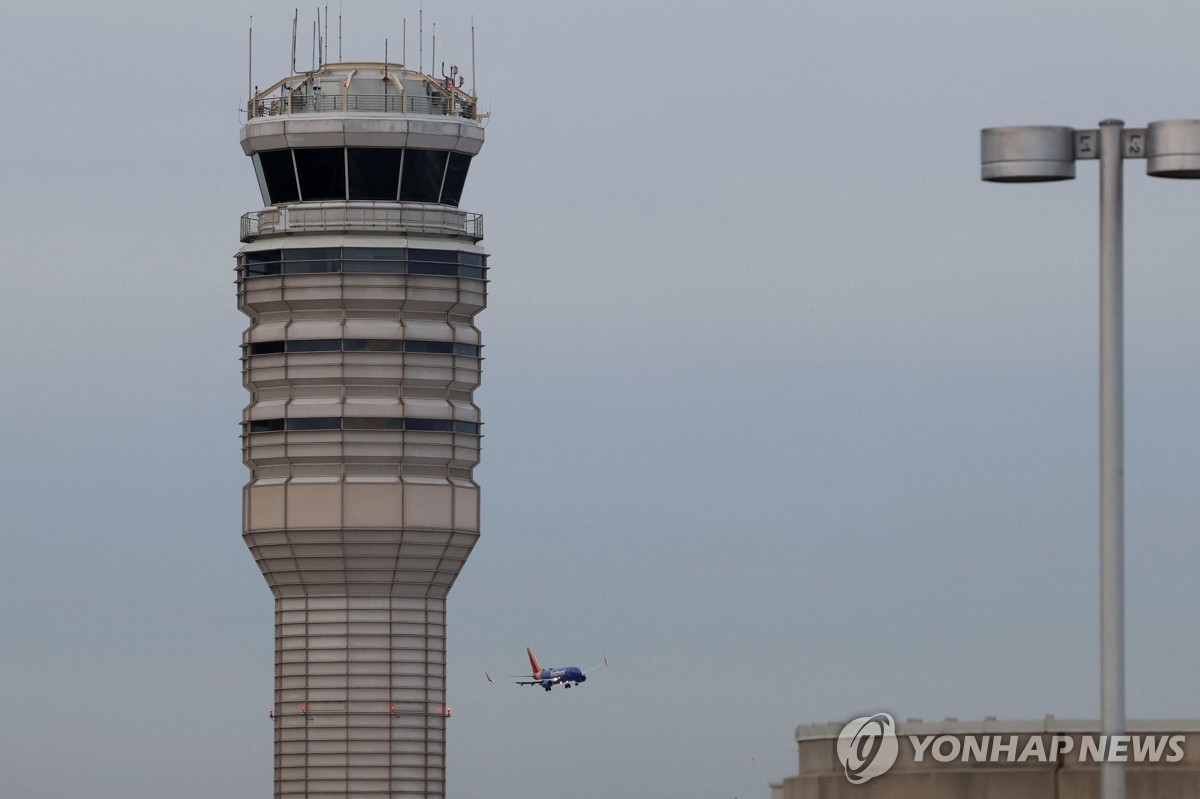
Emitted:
pixel 474 91
pixel 433 58
pixel 404 44
pixel 250 61
pixel 339 30
pixel 314 47
pixel 320 50
pixel 295 21
pixel 326 56
pixel 421 37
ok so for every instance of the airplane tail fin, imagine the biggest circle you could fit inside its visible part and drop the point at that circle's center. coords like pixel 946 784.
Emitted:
pixel 537 670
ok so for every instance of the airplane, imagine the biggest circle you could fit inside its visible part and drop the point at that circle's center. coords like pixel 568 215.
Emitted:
pixel 548 678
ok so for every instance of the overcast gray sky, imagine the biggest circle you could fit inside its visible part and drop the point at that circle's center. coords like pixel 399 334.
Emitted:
pixel 787 412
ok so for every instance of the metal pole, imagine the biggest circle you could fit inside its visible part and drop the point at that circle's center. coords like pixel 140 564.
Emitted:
pixel 1112 453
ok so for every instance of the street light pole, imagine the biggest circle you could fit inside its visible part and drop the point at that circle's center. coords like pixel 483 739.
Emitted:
pixel 1112 451
pixel 1039 153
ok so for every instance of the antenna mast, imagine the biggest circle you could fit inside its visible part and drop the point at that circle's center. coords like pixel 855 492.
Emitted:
pixel 339 30
pixel 250 62
pixel 474 90
pixel 295 20
pixel 404 44
pixel 433 59
pixel 326 57
pixel 421 37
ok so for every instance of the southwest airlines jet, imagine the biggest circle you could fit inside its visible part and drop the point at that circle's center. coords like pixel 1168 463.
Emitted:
pixel 548 678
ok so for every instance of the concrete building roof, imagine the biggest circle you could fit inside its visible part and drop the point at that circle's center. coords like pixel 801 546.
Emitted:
pixel 992 725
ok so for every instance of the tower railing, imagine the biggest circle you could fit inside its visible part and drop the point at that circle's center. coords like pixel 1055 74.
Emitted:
pixel 376 103
pixel 362 218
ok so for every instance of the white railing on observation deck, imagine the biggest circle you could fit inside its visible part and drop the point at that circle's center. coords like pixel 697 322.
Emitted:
pixel 437 105
pixel 350 217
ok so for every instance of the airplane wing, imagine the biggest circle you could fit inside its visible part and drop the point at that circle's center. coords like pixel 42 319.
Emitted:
pixel 593 668
pixel 520 679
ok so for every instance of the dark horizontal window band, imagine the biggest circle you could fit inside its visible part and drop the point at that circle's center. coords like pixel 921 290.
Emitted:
pixel 372 260
pixel 363 173
pixel 361 345
pixel 362 423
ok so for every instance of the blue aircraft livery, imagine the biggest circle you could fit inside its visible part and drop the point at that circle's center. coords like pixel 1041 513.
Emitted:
pixel 548 678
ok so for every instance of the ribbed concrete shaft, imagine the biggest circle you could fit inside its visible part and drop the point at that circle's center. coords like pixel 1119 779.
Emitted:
pixel 360 697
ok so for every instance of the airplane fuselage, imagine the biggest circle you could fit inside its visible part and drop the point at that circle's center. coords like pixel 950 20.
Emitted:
pixel 548 678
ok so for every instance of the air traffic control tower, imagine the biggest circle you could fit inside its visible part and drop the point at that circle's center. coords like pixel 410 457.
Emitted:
pixel 361 278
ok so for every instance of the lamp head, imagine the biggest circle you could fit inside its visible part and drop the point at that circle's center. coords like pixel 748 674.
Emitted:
pixel 1173 149
pixel 1028 153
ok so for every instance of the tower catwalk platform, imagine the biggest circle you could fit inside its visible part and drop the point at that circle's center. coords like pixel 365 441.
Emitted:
pixel 361 278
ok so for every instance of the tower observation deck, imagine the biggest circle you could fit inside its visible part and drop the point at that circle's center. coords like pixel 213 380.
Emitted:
pixel 361 278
